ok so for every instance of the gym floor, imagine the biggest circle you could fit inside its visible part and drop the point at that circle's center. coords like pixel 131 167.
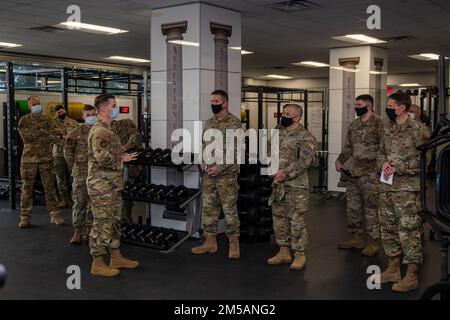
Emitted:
pixel 37 259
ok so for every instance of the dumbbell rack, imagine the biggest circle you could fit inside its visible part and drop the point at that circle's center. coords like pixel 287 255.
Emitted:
pixel 191 205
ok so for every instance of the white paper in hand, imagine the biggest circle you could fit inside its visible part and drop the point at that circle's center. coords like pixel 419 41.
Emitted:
pixel 389 181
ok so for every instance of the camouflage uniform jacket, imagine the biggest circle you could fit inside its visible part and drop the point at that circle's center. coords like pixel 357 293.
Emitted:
pixel 76 151
pixel 297 152
pixel 230 122
pixel 362 145
pixel 63 127
pixel 127 132
pixel 398 146
pixel 105 164
pixel 38 134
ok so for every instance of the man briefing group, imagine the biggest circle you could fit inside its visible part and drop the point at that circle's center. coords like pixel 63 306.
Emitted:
pixel 93 154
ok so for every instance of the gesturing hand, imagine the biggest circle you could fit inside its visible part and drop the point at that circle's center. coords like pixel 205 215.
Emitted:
pixel 128 157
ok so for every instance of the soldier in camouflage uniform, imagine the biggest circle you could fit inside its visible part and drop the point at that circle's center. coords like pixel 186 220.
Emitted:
pixel 220 184
pixel 400 208
pixel 38 134
pixel 363 189
pixel 129 138
pixel 290 195
pixel 63 124
pixel 76 155
pixel 104 183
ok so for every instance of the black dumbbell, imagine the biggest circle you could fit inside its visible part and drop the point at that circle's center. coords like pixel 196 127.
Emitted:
pixel 149 235
pixel 159 237
pixel 142 190
pixel 140 234
pixel 150 190
pixel 175 194
pixel 147 155
pixel 159 193
pixel 131 231
pixel 124 228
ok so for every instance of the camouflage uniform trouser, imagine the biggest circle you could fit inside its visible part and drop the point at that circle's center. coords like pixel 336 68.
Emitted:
pixel 106 227
pixel 289 218
pixel 363 195
pixel 28 172
pixel 220 193
pixel 61 174
pixel 400 221
pixel 81 210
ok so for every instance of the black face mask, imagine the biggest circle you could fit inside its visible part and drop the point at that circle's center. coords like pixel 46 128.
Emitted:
pixel 216 108
pixel 391 114
pixel 361 111
pixel 287 122
pixel 62 116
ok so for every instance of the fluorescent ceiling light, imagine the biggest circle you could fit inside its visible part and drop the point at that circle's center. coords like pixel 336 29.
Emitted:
pixel 185 43
pixel 243 52
pixel 9 45
pixel 426 56
pixel 311 64
pixel 129 59
pixel 377 72
pixel 345 69
pixel 359 38
pixel 54 82
pixel 275 76
pixel 2 70
pixel 410 85
pixel 91 27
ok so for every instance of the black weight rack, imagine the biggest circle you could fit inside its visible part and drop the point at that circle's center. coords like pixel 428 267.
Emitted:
pixel 188 209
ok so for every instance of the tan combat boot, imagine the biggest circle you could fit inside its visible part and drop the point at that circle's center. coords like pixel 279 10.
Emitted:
pixel 282 257
pixel 356 241
pixel 208 246
pixel 299 261
pixel 99 268
pixel 119 262
pixel 56 219
pixel 409 282
pixel 371 248
pixel 24 222
pixel 76 239
pixel 392 273
pixel 234 251
pixel 65 203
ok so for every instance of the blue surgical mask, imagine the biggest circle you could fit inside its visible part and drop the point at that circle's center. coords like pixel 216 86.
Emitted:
pixel 36 109
pixel 115 113
pixel 91 120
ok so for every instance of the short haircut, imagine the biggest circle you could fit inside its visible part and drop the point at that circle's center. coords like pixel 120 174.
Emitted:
pixel 88 107
pixel 221 93
pixel 31 97
pixel 296 106
pixel 59 107
pixel 101 99
pixel 402 98
pixel 367 98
